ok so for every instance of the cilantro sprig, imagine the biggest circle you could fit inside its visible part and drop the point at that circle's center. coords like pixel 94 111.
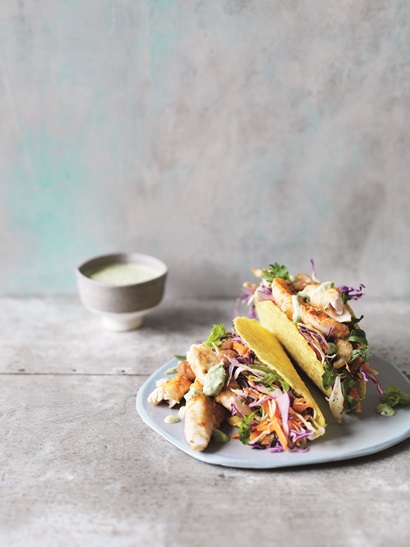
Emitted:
pixel 245 428
pixel 216 334
pixel 275 270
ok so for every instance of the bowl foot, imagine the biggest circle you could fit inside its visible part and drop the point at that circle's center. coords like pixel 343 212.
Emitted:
pixel 119 323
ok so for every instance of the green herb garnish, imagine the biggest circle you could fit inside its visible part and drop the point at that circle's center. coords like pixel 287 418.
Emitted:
pixel 275 270
pixel 393 396
pixel 180 357
pixel 270 377
pixel 358 336
pixel 329 376
pixel 346 381
pixel 245 428
pixel 350 403
pixel 214 338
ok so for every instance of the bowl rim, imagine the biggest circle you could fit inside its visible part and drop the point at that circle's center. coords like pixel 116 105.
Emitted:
pixel 121 257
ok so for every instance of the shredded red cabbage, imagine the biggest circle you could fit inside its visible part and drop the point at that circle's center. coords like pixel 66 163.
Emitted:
pixel 316 341
pixel 238 407
pixel 297 435
pixel 246 297
pixel 313 268
pixel 264 293
pixel 258 402
pixel 276 448
pixel 352 293
pixel 367 375
pixel 283 402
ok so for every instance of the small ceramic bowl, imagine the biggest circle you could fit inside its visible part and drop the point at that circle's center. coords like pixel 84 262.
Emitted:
pixel 121 303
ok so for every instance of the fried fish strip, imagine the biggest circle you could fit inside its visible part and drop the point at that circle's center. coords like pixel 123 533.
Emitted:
pixel 344 353
pixel 227 396
pixel 282 291
pixel 330 300
pixel 202 415
pixel 315 317
pixel 201 358
pixel 172 391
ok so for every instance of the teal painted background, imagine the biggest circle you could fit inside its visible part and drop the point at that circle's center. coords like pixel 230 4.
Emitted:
pixel 217 135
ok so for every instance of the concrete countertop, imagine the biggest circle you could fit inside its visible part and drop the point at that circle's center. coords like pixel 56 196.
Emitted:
pixel 79 467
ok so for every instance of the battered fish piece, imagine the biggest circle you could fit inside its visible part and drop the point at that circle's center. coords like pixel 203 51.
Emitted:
pixel 172 391
pixel 282 292
pixel 344 352
pixel 227 396
pixel 202 415
pixel 201 358
pixel 330 300
pixel 315 317
pixel 324 313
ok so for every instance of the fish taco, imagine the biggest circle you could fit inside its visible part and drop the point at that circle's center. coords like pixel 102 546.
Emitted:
pixel 295 410
pixel 245 377
pixel 319 330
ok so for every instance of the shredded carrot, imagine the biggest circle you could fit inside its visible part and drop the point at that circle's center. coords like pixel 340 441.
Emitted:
pixel 273 426
pixel 265 406
pixel 281 436
pixel 277 414
pixel 354 365
pixel 262 425
pixel 240 348
pixel 300 405
pixel 252 392
pixel 266 440
pixel 354 393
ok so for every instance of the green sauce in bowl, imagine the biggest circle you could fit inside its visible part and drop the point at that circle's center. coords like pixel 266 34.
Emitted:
pixel 122 273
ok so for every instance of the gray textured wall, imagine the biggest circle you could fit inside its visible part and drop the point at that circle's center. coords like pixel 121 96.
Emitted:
pixel 217 135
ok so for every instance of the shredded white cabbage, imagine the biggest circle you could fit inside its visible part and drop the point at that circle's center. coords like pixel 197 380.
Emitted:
pixel 317 430
pixel 336 400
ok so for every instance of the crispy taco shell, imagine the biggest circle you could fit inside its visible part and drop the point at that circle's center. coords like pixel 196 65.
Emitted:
pixel 275 320
pixel 270 352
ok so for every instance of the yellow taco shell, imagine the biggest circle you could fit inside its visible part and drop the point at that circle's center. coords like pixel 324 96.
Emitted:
pixel 270 352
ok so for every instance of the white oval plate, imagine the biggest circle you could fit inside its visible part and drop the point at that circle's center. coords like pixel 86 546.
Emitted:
pixel 360 435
